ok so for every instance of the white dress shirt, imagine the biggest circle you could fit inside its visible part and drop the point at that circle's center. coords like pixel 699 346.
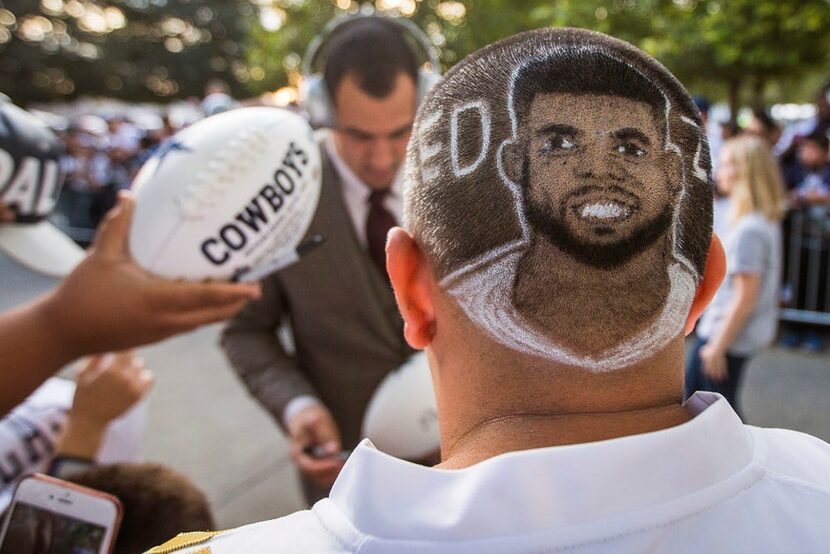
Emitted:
pixel 712 484
pixel 356 193
pixel 356 198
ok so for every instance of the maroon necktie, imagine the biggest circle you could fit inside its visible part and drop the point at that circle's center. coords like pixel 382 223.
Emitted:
pixel 378 223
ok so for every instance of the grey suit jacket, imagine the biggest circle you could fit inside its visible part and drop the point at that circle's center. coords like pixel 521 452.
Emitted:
pixel 347 330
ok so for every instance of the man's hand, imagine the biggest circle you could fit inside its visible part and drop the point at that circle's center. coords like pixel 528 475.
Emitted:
pixel 109 303
pixel 315 426
pixel 714 363
pixel 108 386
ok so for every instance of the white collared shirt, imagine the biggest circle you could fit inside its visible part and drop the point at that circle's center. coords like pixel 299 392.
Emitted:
pixel 356 193
pixel 712 484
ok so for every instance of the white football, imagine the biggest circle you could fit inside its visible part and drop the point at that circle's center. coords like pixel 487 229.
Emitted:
pixel 401 418
pixel 226 195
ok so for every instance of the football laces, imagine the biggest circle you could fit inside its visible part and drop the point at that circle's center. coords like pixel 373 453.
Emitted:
pixel 211 185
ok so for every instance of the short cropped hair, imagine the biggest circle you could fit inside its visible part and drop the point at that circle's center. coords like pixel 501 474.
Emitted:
pixel 158 503
pixel 374 50
pixel 596 73
pixel 456 204
pixel 483 225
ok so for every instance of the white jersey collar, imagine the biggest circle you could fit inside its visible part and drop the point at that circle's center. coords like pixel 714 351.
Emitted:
pixel 531 491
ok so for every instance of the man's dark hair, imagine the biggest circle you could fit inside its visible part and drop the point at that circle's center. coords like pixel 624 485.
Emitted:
pixel 457 217
pixel 596 74
pixel 372 49
pixel 159 503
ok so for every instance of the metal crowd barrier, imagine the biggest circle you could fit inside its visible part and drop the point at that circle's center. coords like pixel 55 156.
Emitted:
pixel 806 297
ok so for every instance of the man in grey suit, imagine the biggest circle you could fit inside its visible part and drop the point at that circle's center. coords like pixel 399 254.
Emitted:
pixel 346 328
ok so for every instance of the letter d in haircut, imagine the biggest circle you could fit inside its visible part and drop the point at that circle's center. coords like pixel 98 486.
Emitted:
pixel 578 226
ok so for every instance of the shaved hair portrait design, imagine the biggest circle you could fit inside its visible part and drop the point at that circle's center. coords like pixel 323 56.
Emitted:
pixel 546 195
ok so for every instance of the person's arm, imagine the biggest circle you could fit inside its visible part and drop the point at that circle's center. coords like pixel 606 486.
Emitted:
pixel 274 378
pixel 748 257
pixel 816 198
pixel 747 287
pixel 108 386
pixel 249 341
pixel 107 303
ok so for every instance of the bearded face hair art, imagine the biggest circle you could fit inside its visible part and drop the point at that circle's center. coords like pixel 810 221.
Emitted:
pixel 559 183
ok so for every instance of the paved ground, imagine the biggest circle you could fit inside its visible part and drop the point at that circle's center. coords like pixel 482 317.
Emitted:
pixel 203 423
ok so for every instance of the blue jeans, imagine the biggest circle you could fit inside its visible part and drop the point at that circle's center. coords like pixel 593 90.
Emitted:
pixel 697 380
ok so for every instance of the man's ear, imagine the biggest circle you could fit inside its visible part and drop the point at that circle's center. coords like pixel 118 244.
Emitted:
pixel 512 160
pixel 713 275
pixel 411 280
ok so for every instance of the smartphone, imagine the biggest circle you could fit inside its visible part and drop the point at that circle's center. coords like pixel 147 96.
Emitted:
pixel 51 516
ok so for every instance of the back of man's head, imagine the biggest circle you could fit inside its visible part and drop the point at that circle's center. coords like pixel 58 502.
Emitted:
pixel 158 503
pixel 373 50
pixel 559 184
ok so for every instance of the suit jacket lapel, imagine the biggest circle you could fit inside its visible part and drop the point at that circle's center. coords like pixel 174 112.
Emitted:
pixel 333 217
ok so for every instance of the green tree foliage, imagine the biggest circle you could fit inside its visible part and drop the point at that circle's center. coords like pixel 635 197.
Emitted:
pixel 735 48
pixel 456 28
pixel 722 47
pixel 746 50
pixel 133 49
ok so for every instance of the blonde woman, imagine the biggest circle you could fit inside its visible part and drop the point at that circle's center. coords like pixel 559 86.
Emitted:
pixel 742 318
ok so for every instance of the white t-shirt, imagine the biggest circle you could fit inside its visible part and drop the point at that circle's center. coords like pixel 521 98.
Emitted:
pixel 712 484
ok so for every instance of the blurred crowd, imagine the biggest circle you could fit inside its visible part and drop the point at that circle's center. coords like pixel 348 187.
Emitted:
pixel 801 154
pixel 104 152
pixel 102 157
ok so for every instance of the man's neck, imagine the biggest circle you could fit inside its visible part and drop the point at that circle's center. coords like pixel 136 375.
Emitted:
pixel 549 406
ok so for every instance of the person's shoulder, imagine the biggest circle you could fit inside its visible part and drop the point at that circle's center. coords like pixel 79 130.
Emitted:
pixel 754 221
pixel 754 227
pixel 797 458
pixel 299 532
